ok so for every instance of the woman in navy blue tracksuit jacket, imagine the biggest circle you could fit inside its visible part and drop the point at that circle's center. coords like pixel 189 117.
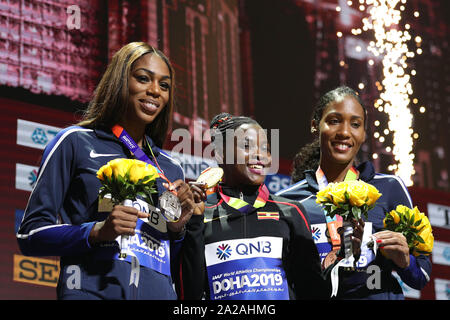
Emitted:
pixel 63 215
pixel 339 120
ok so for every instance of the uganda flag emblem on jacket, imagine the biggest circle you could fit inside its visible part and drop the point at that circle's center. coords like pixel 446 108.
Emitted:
pixel 264 215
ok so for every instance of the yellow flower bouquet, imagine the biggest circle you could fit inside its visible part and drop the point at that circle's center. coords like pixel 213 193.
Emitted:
pixel 414 225
pixel 349 199
pixel 126 179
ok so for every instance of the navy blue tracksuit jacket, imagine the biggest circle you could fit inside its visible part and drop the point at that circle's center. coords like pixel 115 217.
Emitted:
pixel 353 284
pixel 63 207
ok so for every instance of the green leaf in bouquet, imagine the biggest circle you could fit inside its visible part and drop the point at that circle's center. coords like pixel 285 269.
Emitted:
pixel 411 220
pixel 420 239
pixel 140 181
pixel 149 189
pixel 422 252
pixel 388 220
pixel 420 229
pixel 141 194
pixel 343 213
pixel 346 215
pixel 399 228
pixel 417 223
pixel 130 188
pixel 329 213
pixel 403 218
pixel 105 180
pixel 356 212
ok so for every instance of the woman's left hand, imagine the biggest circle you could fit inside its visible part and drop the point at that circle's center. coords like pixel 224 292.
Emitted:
pixel 393 245
pixel 188 205
pixel 199 195
pixel 358 232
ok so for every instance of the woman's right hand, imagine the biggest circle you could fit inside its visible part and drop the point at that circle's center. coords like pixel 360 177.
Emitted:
pixel 199 195
pixel 356 238
pixel 121 221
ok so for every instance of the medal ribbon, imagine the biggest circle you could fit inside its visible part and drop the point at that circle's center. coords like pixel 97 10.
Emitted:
pixel 243 206
pixel 123 136
pixel 334 223
pixel 124 246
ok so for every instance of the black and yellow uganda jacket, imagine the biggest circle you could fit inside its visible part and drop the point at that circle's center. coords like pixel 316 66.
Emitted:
pixel 265 254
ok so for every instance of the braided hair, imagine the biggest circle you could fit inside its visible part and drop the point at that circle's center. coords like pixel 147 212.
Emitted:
pixel 225 121
pixel 223 132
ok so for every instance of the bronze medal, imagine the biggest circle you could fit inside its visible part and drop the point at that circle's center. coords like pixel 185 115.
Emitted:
pixel 330 258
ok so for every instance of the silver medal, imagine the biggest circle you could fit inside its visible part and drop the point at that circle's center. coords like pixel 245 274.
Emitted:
pixel 170 206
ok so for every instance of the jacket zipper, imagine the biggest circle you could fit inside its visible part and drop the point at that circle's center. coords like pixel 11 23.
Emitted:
pixel 241 196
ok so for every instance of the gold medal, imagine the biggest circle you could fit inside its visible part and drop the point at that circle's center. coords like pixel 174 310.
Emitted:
pixel 209 177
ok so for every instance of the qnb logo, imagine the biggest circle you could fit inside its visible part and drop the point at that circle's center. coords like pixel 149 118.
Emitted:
pixel 223 251
pixel 316 233
pixel 254 248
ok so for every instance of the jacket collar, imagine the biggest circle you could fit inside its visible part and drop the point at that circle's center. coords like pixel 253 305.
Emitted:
pixel 250 193
pixel 310 177
pixel 106 133
pixel 366 173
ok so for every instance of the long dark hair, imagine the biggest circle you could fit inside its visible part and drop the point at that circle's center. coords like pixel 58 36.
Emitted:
pixel 110 99
pixel 308 157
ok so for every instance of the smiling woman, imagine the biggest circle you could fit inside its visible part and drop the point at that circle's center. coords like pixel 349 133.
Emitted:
pixel 149 92
pixel 342 133
pixel 241 149
pixel 127 118
pixel 339 125
pixel 136 72
pixel 249 244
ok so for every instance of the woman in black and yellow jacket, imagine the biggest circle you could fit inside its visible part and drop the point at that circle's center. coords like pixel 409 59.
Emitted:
pixel 249 244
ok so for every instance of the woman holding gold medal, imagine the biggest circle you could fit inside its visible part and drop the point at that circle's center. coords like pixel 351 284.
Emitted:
pixel 249 244
pixel 127 118
pixel 339 122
